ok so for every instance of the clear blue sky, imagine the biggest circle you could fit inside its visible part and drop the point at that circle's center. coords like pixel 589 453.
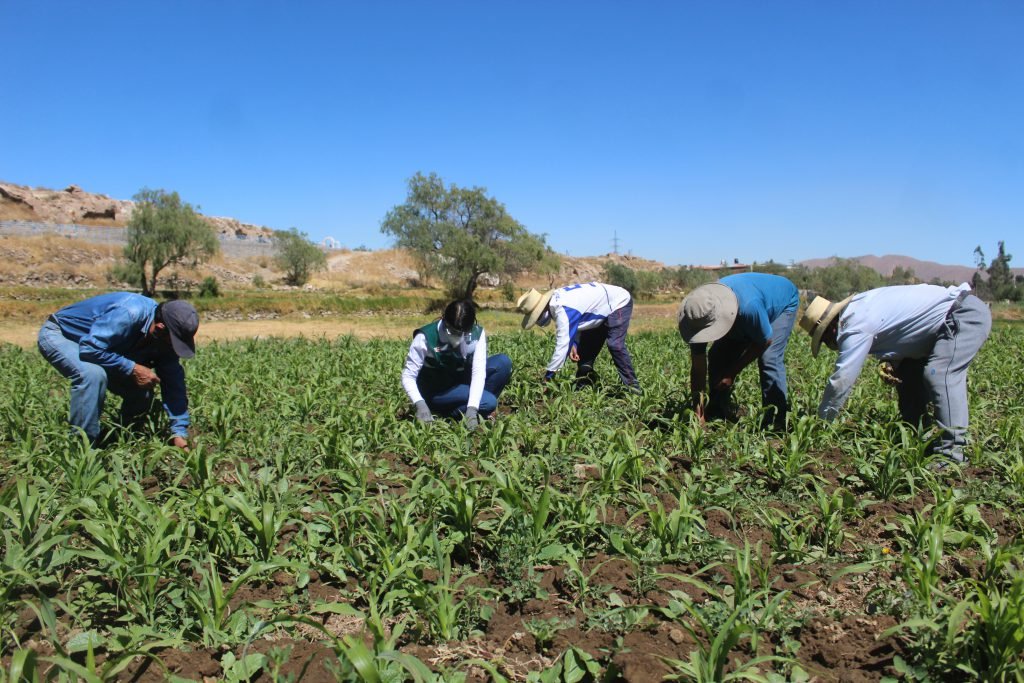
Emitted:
pixel 698 131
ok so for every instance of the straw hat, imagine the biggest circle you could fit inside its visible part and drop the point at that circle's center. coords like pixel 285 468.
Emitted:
pixel 533 304
pixel 707 313
pixel 819 315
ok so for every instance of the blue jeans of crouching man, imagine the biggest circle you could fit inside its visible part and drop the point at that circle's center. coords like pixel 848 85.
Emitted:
pixel 90 383
pixel 453 401
pixel 771 368
pixel 612 333
pixel 940 379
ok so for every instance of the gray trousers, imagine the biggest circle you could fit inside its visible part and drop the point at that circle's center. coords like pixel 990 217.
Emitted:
pixel 941 378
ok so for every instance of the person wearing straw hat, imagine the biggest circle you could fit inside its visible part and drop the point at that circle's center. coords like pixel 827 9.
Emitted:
pixel 929 334
pixel 747 316
pixel 447 370
pixel 587 317
pixel 126 343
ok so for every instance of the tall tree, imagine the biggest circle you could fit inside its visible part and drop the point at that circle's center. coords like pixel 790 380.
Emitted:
pixel 297 256
pixel 459 234
pixel 162 231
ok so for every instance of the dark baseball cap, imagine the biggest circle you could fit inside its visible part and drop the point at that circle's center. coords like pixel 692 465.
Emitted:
pixel 182 322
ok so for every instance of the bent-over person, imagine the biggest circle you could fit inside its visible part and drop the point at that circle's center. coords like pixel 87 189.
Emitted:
pixel 929 334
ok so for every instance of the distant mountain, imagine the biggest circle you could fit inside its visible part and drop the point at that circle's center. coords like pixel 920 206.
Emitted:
pixel 924 270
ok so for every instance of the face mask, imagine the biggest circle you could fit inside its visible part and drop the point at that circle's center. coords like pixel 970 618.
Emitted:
pixel 544 319
pixel 452 337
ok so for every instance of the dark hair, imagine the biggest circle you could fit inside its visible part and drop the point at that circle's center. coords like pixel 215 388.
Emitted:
pixel 460 315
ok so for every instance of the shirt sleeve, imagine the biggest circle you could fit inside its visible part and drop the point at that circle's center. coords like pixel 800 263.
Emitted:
pixel 413 365
pixel 112 329
pixel 764 325
pixel 854 347
pixel 563 336
pixel 174 395
pixel 479 376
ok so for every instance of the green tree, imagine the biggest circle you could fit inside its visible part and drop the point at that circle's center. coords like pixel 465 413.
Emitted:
pixel 162 231
pixel 297 256
pixel 1001 283
pixel 620 276
pixel 843 278
pixel 459 234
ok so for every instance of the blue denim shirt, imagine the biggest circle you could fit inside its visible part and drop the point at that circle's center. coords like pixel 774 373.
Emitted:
pixel 109 329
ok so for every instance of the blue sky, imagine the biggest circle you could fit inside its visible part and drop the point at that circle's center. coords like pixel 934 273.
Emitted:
pixel 696 131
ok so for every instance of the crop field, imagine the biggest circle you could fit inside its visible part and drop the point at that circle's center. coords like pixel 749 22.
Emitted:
pixel 315 532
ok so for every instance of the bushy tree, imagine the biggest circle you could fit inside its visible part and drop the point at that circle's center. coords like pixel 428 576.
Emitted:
pixel 297 256
pixel 840 279
pixel 162 231
pixel 620 276
pixel 1001 284
pixel 459 234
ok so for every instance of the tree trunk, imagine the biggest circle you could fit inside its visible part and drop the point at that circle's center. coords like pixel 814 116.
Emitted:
pixel 471 285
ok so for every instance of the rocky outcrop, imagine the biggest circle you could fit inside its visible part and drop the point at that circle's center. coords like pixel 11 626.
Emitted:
pixel 70 205
pixel 75 205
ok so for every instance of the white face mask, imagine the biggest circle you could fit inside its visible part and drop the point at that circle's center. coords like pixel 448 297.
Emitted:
pixel 452 338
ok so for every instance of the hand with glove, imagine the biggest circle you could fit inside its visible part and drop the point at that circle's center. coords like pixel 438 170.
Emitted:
pixel 423 412
pixel 472 419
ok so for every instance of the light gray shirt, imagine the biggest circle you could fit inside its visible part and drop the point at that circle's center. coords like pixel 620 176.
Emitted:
pixel 890 323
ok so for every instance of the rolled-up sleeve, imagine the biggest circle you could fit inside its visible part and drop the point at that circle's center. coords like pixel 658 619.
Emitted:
pixel 854 348
pixel 174 395
pixel 112 330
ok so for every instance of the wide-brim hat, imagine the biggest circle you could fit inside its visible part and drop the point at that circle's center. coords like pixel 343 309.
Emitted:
pixel 533 304
pixel 818 316
pixel 182 322
pixel 707 313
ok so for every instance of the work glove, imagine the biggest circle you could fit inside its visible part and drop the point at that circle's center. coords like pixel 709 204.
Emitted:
pixel 423 412
pixel 472 419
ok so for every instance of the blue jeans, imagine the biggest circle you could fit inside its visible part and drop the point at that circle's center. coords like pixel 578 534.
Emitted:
pixel 941 378
pixel 452 402
pixel 771 367
pixel 612 333
pixel 89 384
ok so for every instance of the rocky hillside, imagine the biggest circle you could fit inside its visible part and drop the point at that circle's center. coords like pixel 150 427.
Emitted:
pixel 75 205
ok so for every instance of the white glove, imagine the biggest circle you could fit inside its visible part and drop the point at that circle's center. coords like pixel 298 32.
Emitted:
pixel 423 412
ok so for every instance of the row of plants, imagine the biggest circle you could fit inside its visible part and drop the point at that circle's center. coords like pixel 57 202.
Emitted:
pixel 599 530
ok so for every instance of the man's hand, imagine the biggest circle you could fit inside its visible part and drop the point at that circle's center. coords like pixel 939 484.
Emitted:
pixel 574 355
pixel 725 384
pixel 472 419
pixel 144 377
pixel 423 412
pixel 888 374
pixel 179 442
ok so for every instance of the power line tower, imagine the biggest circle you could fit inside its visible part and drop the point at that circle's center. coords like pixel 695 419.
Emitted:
pixel 615 242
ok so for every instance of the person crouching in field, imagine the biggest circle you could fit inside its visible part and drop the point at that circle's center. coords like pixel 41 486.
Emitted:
pixel 929 334
pixel 747 316
pixel 587 316
pixel 128 344
pixel 447 371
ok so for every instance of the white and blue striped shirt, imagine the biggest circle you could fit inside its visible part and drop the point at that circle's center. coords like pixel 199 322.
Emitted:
pixel 581 307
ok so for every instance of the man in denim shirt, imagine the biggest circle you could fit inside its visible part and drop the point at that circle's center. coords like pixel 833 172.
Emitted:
pixel 126 343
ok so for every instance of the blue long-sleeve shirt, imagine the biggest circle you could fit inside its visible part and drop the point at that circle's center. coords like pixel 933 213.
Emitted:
pixel 110 329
